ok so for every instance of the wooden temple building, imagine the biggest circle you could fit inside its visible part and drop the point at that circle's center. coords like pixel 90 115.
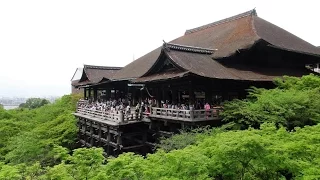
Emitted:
pixel 92 75
pixel 208 64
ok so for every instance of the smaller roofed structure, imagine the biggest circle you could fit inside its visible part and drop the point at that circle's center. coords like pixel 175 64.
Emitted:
pixel 93 74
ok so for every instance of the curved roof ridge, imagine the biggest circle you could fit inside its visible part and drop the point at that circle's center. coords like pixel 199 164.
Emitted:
pixel 186 48
pixel 254 28
pixel 101 67
pixel 232 18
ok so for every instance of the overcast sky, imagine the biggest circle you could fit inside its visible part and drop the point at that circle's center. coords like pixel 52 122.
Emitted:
pixel 43 42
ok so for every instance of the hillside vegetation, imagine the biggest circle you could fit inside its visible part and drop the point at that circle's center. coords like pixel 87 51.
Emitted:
pixel 273 134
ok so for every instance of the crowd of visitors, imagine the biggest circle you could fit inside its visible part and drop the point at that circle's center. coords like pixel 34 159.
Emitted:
pixel 115 106
pixel 199 105
pixel 111 106
pixel 124 105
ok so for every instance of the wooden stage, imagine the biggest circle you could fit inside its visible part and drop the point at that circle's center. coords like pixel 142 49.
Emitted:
pixel 118 132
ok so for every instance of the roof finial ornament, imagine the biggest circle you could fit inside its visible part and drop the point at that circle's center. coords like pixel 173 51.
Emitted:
pixel 254 12
pixel 165 46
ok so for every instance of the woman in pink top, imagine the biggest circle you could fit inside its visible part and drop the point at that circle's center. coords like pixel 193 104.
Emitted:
pixel 207 108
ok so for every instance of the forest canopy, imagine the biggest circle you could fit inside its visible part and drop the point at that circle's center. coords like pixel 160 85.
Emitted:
pixel 295 102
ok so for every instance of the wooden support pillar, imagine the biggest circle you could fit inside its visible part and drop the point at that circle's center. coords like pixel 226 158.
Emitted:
pixel 133 97
pixel 191 94
pixel 95 94
pixel 224 91
pixel 141 96
pixel 208 95
pixel 85 131
pixel 164 94
pixel 192 114
pixel 183 125
pixel 91 134
pixel 108 140
pixel 99 133
pixel 174 95
pixel 79 127
pixel 125 92
pixel 121 116
pixel 85 93
pixel 108 94
pixel 158 97
pixel 89 93
pixel 119 142
pixel 116 94
pixel 225 96
pixel 144 141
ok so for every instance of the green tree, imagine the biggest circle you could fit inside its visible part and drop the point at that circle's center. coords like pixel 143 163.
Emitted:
pixel 33 103
pixel 266 153
pixel 85 163
pixel 30 135
pixel 38 144
pixel 184 138
pixel 294 103
pixel 8 172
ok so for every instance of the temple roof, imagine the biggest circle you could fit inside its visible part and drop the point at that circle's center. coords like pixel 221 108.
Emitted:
pixel 225 38
pixel 202 64
pixel 241 32
pixel 93 74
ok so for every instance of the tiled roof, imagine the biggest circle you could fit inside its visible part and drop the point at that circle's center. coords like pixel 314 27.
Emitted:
pixel 225 38
pixel 232 18
pixel 204 65
pixel 161 76
pixel 93 74
pixel 138 67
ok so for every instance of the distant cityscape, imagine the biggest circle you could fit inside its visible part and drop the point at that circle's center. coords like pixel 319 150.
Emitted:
pixel 16 101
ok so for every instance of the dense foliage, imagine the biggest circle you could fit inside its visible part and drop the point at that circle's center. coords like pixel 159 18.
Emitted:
pixel 28 136
pixel 269 153
pixel 183 139
pixel 33 103
pixel 273 134
pixel 294 103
